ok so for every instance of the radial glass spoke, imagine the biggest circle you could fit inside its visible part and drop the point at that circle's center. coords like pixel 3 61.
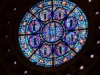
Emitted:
pixel 52 12
pixel 68 14
pixel 73 30
pixel 33 53
pixel 70 47
pixel 52 55
pixel 36 50
pixel 29 34
pixel 37 18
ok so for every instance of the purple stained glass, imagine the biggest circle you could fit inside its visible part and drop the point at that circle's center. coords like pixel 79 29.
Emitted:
pixel 70 23
pixel 60 13
pixel 35 41
pixel 52 32
pixel 45 15
pixel 60 49
pixel 71 38
pixel 34 26
pixel 45 50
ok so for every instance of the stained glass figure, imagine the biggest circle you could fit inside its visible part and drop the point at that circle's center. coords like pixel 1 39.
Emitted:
pixel 71 38
pixel 70 23
pixel 60 13
pixel 60 49
pixel 34 26
pixel 52 32
pixel 45 15
pixel 45 51
pixel 35 41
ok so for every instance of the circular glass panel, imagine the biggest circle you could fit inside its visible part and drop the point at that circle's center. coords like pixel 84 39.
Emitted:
pixel 52 32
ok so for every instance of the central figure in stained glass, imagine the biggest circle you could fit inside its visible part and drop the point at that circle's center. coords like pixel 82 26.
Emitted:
pixel 52 32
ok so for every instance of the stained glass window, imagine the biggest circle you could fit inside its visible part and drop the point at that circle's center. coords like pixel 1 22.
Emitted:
pixel 52 32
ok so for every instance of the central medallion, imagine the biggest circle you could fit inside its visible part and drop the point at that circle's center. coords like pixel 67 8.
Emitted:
pixel 52 32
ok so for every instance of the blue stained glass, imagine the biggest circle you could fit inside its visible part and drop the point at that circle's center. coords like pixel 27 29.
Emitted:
pixel 71 38
pixel 70 23
pixel 52 32
pixel 60 49
pixel 59 13
pixel 45 15
pixel 34 26
pixel 35 41
pixel 45 51
pixel 26 49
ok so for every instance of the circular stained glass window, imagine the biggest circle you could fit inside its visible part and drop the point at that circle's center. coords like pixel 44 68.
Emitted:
pixel 52 32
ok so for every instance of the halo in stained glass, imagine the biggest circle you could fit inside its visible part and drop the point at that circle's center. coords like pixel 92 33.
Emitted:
pixel 52 32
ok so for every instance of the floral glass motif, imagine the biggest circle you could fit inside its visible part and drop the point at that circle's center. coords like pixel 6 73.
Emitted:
pixel 52 32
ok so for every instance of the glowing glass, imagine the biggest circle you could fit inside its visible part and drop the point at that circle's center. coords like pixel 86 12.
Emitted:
pixel 52 32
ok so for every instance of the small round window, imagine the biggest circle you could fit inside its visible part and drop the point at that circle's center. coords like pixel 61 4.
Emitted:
pixel 52 32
